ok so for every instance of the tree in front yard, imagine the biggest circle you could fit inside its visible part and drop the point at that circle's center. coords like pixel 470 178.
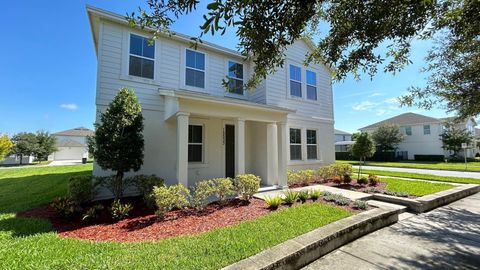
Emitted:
pixel 453 137
pixel 387 138
pixel 24 144
pixel 5 146
pixel 45 145
pixel 363 148
pixel 118 142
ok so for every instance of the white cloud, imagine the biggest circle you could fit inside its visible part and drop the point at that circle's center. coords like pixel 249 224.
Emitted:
pixel 69 106
pixel 376 94
pixel 392 100
pixel 362 106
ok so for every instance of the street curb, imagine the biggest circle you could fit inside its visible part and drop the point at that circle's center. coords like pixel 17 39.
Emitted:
pixel 304 249
pixel 432 201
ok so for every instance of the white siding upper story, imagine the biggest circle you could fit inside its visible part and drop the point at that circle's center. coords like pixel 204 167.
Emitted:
pixel 80 139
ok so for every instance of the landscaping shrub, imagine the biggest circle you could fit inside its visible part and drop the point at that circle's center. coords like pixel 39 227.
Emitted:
pixel 334 171
pixel 81 189
pixel 344 156
pixel 290 197
pixel 116 187
pixel 337 199
pixel 373 179
pixel 362 181
pixel 222 188
pixel 167 198
pixel 395 193
pixel 326 193
pixel 65 207
pixel 372 190
pixel 337 180
pixel 325 173
pixel 303 196
pixel 92 213
pixel 440 158
pixel 301 177
pixel 145 184
pixel 200 194
pixel 315 194
pixel 347 179
pixel 120 210
pixel 359 204
pixel 246 185
pixel 273 202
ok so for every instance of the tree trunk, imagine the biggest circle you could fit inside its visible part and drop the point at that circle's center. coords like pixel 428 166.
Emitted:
pixel 359 168
pixel 21 159
pixel 118 185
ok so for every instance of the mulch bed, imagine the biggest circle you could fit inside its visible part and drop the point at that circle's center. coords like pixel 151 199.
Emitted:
pixel 143 224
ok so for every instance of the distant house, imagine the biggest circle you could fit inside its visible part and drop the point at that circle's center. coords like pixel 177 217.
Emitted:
pixel 342 140
pixel 71 144
pixel 422 134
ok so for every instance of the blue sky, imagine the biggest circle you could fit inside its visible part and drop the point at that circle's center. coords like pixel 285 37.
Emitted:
pixel 48 70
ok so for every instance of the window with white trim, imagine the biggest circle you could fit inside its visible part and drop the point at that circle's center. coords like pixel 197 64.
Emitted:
pixel 295 144
pixel 408 130
pixel 195 143
pixel 311 144
pixel 311 85
pixel 426 129
pixel 295 81
pixel 194 68
pixel 235 77
pixel 141 57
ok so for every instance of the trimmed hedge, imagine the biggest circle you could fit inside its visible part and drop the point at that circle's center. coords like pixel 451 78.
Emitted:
pixel 429 157
pixel 344 156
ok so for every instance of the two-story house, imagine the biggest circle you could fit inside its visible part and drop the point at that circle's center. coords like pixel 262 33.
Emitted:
pixel 71 144
pixel 342 140
pixel 422 134
pixel 196 129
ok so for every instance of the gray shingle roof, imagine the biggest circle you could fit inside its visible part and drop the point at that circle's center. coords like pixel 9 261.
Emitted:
pixel 405 119
pixel 80 131
pixel 69 143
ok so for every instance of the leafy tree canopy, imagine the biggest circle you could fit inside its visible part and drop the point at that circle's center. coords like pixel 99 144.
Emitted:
pixel 387 137
pixel 118 142
pixel 5 146
pixel 45 145
pixel 356 29
pixel 363 146
pixel 453 137
pixel 24 144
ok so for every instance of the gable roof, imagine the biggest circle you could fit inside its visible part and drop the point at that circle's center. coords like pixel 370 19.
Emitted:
pixel 341 132
pixel 405 119
pixel 69 143
pixel 79 131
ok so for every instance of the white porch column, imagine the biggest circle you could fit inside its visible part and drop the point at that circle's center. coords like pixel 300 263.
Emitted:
pixel 282 154
pixel 272 154
pixel 239 146
pixel 182 148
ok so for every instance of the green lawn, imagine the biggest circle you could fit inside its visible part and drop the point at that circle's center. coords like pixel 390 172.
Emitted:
pixel 27 243
pixel 416 188
pixel 453 166
pixel 460 180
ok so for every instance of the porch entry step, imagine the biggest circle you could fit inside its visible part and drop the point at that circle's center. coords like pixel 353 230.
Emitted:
pixel 381 204
pixel 268 188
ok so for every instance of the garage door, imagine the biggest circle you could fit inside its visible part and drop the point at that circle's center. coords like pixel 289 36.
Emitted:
pixel 64 153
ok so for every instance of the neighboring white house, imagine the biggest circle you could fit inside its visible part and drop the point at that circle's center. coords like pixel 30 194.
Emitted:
pixel 195 129
pixel 14 159
pixel 71 144
pixel 422 134
pixel 342 140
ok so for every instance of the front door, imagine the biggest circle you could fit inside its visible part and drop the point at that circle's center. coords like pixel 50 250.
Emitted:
pixel 230 151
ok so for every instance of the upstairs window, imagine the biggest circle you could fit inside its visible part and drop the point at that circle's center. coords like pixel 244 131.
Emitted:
pixel 311 144
pixel 426 129
pixel 295 81
pixel 235 77
pixel 311 85
pixel 408 131
pixel 295 144
pixel 195 69
pixel 195 143
pixel 142 56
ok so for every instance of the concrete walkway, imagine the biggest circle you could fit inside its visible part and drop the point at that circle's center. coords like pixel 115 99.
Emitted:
pixel 445 238
pixel 352 195
pixel 424 171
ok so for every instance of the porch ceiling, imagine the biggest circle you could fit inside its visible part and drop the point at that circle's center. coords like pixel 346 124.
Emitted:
pixel 207 105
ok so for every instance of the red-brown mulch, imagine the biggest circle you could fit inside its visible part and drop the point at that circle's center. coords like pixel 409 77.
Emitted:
pixel 143 224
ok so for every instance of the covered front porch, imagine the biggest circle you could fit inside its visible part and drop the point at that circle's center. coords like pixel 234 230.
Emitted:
pixel 224 137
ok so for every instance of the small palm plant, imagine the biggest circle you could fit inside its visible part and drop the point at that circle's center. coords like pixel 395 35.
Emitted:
pixel 273 202
pixel 303 196
pixel 290 197
pixel 315 194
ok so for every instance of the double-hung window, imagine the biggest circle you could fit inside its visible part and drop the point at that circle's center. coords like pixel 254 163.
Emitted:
pixel 295 81
pixel 142 57
pixel 408 130
pixel 311 144
pixel 295 144
pixel 195 143
pixel 195 69
pixel 311 85
pixel 426 129
pixel 235 77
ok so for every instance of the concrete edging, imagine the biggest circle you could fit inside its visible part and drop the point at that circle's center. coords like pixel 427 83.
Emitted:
pixel 304 249
pixel 429 202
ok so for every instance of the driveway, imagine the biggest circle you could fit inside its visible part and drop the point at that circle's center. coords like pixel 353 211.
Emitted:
pixel 445 238
pixel 64 162
pixel 425 171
